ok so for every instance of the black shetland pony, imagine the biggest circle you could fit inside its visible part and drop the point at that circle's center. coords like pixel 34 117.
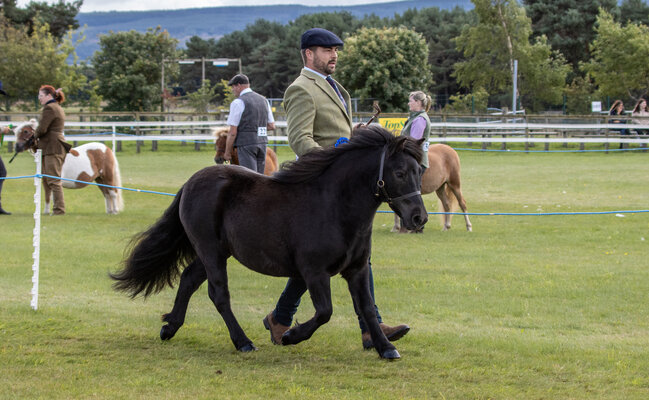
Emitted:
pixel 311 220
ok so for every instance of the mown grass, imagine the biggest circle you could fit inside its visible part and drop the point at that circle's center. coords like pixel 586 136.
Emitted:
pixel 523 307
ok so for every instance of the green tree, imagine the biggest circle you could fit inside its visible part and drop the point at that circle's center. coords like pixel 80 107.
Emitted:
pixel 579 95
pixel 439 27
pixel 128 66
pixel 620 53
pixel 501 36
pixel 468 103
pixel 59 16
pixel 634 11
pixel 568 24
pixel 200 100
pixel 385 64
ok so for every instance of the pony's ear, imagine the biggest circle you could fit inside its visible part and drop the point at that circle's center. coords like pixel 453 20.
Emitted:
pixel 420 142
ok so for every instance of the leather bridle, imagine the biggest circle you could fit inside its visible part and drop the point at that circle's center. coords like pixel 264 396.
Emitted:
pixel 380 184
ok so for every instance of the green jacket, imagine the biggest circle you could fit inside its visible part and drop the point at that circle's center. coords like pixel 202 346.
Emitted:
pixel 315 116
pixel 406 132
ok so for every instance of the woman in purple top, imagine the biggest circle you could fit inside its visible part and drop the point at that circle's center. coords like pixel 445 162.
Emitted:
pixel 418 124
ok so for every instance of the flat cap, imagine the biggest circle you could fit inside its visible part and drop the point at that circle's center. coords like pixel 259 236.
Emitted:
pixel 239 79
pixel 320 37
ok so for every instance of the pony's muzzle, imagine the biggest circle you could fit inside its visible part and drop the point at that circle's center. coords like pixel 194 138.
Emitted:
pixel 419 220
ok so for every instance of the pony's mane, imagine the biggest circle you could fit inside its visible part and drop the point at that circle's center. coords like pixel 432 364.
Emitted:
pixel 31 123
pixel 312 164
pixel 220 131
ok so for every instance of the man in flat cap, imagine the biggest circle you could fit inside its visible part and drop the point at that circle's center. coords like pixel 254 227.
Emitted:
pixel 318 114
pixel 250 118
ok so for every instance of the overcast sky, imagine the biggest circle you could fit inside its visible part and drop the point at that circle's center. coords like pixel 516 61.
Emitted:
pixel 141 5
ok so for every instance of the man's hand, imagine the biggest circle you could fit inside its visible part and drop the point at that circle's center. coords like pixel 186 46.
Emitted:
pixel 228 155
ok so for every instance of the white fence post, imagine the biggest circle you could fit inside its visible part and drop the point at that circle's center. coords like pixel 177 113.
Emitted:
pixel 37 229
pixel 114 144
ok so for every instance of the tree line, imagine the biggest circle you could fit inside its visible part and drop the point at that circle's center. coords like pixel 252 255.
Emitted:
pixel 577 50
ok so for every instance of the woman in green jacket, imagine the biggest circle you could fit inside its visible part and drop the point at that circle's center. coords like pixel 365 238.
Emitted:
pixel 418 124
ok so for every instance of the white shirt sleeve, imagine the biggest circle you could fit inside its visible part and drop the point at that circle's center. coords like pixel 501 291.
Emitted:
pixel 271 119
pixel 236 109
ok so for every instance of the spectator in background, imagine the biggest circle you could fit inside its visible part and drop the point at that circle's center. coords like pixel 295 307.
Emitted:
pixel 250 119
pixel 418 127
pixel 618 109
pixel 640 115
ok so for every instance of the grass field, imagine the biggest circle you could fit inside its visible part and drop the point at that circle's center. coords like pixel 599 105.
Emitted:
pixel 524 307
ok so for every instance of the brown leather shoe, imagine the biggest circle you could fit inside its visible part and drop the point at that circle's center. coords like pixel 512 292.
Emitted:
pixel 276 329
pixel 393 333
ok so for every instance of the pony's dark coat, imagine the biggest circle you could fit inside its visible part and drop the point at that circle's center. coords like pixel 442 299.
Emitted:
pixel 312 220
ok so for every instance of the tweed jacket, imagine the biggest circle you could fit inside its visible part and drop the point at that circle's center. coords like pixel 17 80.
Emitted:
pixel 50 130
pixel 315 116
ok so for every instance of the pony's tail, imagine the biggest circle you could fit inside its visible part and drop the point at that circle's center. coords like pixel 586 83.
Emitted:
pixel 156 255
pixel 273 157
pixel 118 182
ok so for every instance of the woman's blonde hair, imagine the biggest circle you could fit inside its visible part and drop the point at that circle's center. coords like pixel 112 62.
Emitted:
pixel 425 99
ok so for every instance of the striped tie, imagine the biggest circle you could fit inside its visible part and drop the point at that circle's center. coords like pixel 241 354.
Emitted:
pixel 333 85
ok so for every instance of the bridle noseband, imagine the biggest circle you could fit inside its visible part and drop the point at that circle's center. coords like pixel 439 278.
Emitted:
pixel 380 184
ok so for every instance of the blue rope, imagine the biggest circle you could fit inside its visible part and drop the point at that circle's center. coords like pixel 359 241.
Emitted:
pixel 379 211
pixel 534 214
pixel 88 183
pixel 549 151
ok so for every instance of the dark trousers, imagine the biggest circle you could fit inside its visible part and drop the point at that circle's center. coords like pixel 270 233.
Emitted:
pixel 289 301
pixel 53 165
pixel 252 156
pixel 3 173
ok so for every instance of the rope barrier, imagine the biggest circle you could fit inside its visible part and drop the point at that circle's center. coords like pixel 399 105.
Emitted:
pixel 489 214
pixel 551 151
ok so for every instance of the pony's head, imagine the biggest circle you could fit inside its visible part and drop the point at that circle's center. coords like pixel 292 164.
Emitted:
pixel 221 135
pixel 25 136
pixel 399 180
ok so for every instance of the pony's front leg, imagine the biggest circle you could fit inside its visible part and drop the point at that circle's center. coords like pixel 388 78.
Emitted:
pixel 220 295
pixel 397 224
pixel 359 288
pixel 320 291
pixel 191 279
pixel 446 205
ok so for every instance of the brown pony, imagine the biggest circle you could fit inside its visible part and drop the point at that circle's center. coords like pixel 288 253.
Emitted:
pixel 221 137
pixel 442 177
pixel 86 163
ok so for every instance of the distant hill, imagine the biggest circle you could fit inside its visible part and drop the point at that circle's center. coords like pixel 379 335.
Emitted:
pixel 215 22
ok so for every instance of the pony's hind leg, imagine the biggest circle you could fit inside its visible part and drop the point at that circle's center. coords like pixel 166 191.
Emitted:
pixel 191 279
pixel 220 295
pixel 111 199
pixel 460 200
pixel 320 290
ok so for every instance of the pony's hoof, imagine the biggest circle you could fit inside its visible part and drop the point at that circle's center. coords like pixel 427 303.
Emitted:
pixel 167 332
pixel 247 348
pixel 391 354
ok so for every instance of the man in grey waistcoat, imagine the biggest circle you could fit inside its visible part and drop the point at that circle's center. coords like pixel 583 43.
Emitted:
pixel 250 120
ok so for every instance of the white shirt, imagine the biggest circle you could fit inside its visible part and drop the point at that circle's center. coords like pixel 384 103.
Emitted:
pixel 237 107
